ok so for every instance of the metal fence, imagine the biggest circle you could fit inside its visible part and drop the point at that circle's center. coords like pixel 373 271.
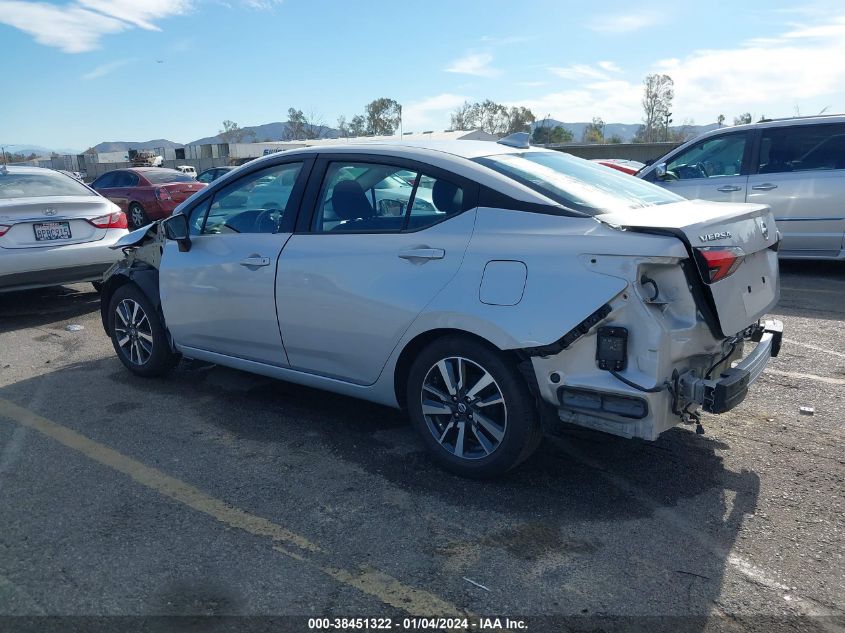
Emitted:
pixel 641 152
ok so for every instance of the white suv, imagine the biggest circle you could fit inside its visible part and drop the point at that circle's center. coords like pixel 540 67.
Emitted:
pixel 189 170
pixel 796 166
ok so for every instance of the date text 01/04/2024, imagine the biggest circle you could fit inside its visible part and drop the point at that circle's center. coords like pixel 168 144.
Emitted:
pixel 416 623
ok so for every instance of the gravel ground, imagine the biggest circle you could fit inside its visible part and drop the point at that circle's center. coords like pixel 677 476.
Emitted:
pixel 219 493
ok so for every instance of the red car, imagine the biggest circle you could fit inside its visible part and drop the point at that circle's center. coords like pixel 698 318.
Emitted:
pixel 146 193
pixel 630 167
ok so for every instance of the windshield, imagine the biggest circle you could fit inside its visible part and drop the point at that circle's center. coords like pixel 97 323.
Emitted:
pixel 578 184
pixel 166 175
pixel 36 185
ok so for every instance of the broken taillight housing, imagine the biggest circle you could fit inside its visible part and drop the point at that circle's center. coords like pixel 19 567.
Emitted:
pixel 718 262
pixel 4 228
pixel 163 194
pixel 116 220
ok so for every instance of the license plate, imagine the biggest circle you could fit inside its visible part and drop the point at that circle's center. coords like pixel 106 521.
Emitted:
pixel 46 231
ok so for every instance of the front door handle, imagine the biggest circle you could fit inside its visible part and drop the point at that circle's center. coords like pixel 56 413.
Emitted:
pixel 255 261
pixel 422 253
pixel 729 188
pixel 766 186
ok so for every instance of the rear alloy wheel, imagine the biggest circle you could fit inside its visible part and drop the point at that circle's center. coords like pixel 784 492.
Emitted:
pixel 137 333
pixel 137 216
pixel 472 408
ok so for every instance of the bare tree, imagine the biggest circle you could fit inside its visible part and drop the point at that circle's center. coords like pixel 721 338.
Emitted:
pixel 461 117
pixel 342 126
pixel 658 92
pixel 231 132
pixel 492 117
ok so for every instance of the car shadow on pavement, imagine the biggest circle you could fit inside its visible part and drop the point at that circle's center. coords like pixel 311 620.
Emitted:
pixel 812 289
pixel 626 527
pixel 42 306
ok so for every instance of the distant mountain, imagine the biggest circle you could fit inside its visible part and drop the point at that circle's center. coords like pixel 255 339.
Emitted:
pixel 625 131
pixel 26 150
pixel 122 146
pixel 278 131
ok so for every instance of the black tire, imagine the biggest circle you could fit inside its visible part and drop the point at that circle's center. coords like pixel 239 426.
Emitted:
pixel 141 343
pixel 137 216
pixel 511 429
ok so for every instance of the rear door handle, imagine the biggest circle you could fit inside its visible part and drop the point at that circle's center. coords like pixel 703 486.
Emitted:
pixel 766 186
pixel 255 261
pixel 729 188
pixel 422 253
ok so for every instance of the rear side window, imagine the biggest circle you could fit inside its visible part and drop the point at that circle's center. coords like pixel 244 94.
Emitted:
pixel 34 185
pixel 159 177
pixel 802 148
pixel 382 198
pixel 105 181
pixel 578 184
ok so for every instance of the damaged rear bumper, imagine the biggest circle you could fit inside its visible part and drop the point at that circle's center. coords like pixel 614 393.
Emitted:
pixel 730 388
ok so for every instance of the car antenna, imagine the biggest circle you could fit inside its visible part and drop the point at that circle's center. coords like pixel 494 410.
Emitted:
pixel 518 139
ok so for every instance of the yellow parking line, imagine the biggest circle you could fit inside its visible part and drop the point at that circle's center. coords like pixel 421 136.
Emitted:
pixel 377 584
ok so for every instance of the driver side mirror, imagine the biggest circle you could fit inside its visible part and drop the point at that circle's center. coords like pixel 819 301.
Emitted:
pixel 660 171
pixel 176 228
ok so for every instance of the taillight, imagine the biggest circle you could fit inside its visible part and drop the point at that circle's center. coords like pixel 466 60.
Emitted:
pixel 720 261
pixel 3 229
pixel 163 194
pixel 116 220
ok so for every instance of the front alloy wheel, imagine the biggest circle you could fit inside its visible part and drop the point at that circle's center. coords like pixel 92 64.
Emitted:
pixel 464 408
pixel 133 331
pixel 138 334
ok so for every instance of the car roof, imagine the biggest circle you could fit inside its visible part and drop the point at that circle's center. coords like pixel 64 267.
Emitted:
pixel 464 149
pixel 26 169
pixel 147 170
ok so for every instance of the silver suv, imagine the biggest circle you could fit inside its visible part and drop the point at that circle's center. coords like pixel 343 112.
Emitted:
pixel 796 166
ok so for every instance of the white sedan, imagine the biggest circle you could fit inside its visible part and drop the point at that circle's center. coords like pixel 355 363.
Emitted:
pixel 54 229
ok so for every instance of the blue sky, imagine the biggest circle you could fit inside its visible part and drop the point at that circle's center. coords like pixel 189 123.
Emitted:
pixel 77 73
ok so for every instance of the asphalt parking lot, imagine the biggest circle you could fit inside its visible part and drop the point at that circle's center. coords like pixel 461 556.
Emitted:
pixel 215 492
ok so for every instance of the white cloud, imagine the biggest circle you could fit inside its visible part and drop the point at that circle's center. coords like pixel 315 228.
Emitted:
pixel 801 67
pixel 477 64
pixel 105 69
pixel 77 27
pixel 430 113
pixel 624 22
pixel 261 5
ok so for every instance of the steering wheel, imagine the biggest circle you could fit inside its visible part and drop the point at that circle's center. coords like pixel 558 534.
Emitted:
pixel 268 221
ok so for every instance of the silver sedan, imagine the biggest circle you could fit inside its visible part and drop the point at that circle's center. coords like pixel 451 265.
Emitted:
pixel 54 229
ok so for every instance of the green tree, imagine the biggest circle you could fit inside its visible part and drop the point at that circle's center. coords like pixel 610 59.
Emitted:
pixel 615 139
pixel 543 135
pixel 492 117
pixel 742 119
pixel 594 132
pixel 382 116
pixel 720 120
pixel 358 126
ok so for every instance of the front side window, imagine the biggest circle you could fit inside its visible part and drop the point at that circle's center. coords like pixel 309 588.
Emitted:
pixel 257 203
pixel 802 148
pixel 14 184
pixel 710 158
pixel 577 184
pixel 376 198
pixel 206 176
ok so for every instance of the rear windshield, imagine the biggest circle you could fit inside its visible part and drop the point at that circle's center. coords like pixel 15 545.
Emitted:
pixel 166 175
pixel 578 184
pixel 36 185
